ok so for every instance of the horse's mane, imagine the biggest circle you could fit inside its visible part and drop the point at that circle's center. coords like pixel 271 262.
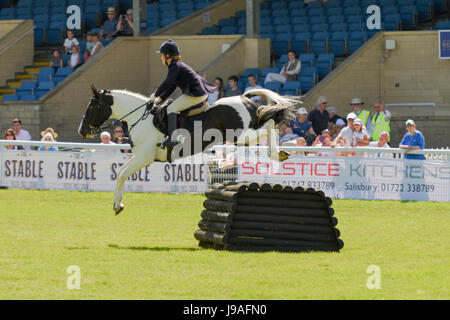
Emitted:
pixel 130 93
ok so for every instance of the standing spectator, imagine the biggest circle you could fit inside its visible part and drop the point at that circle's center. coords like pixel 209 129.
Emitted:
pixel 289 72
pixel 119 138
pixel 10 134
pixel 333 115
pixel 56 61
pixel 75 58
pixel 70 42
pixel 105 137
pixel 319 116
pixel 218 92
pixel 48 137
pixel 89 46
pixel 253 84
pixel 21 134
pixel 413 140
pixel 97 45
pixel 109 28
pixel 234 90
pixel 362 114
pixel 360 137
pixel 381 121
pixel 125 25
pixel 345 137
pixel 301 127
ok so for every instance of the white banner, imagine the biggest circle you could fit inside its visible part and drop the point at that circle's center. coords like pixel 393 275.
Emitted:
pixel 353 177
pixel 90 171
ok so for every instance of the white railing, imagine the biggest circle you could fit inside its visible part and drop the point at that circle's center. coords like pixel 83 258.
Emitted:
pixel 69 145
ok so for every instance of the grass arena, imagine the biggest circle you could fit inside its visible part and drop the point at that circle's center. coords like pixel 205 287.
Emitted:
pixel 149 252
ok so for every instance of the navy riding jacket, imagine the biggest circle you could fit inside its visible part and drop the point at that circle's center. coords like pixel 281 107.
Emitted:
pixel 182 76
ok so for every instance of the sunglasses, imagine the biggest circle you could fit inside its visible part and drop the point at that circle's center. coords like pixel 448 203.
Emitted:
pixel 118 131
pixel 324 102
pixel 9 135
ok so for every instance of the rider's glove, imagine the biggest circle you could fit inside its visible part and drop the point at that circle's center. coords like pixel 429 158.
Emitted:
pixel 152 98
pixel 157 101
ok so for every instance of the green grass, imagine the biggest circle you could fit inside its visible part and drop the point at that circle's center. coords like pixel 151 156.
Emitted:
pixel 149 252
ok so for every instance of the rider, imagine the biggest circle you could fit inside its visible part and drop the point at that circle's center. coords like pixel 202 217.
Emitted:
pixel 195 88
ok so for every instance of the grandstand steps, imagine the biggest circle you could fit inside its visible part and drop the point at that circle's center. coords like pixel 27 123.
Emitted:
pixel 13 83
pixel 6 90
pixel 24 76
pixel 32 69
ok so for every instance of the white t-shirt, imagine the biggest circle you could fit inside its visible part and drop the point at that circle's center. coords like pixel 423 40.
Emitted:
pixel 74 59
pixel 213 97
pixel 70 43
pixel 347 134
pixel 255 98
pixel 374 144
pixel 359 135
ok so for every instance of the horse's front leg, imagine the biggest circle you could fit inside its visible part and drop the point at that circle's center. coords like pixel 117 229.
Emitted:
pixel 134 164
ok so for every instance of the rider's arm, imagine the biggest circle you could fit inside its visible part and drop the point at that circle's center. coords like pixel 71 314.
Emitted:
pixel 169 85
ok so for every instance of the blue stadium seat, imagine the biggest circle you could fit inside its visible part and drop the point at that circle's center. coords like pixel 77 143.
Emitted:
pixel 273 85
pixel 241 22
pixel 299 20
pixel 441 6
pixel 26 87
pixel 301 42
pixel 307 59
pixel 283 28
pixel 314 4
pixel 10 97
pixel 24 13
pixel 356 27
pixel 291 88
pixel 241 14
pixel 265 21
pixel 61 74
pixel 41 10
pixel 392 22
pixel 424 7
pixel 350 3
pixel 7 13
pixel 306 82
pixel 332 4
pixel 366 3
pixel 316 12
pixel 387 3
pixel 278 5
pixel 318 20
pixel 442 25
pixel 281 20
pixel 242 30
pixel 389 10
pixel 24 4
pixel 298 13
pixel 321 27
pixel 228 30
pixel 39 36
pixel 45 74
pixel 354 19
pixel 338 43
pixel 280 13
pixel 264 13
pixel 296 5
pixel 338 27
pixel 266 71
pixel 254 71
pixel 409 17
pixel 28 97
pixel 201 5
pixel 336 19
pixel 319 42
pixel 301 28
pixel 44 87
pixel 356 40
pixel 280 46
pixel 310 71
pixel 352 11
pixel 283 58
pixel 266 29
pixel 227 22
pixel 335 12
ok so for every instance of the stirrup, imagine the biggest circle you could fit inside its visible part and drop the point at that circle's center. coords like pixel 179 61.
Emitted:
pixel 169 143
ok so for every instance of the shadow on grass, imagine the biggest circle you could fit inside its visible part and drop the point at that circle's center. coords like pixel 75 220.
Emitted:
pixel 115 246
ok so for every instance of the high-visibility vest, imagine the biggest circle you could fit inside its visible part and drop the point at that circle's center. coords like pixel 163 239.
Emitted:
pixel 363 116
pixel 379 126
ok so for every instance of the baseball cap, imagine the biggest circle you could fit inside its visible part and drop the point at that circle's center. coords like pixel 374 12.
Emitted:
pixel 351 115
pixel 409 121
pixel 302 111
pixel 105 134
pixel 357 121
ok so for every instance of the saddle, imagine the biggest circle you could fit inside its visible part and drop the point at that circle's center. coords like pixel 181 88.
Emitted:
pixel 160 115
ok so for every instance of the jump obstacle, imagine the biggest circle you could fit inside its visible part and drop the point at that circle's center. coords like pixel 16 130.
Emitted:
pixel 267 217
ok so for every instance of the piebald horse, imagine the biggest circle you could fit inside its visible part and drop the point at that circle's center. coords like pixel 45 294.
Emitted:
pixel 237 113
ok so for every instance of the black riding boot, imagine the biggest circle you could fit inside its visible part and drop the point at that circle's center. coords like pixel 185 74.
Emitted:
pixel 172 117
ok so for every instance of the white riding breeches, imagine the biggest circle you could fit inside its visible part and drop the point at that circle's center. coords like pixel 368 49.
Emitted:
pixel 184 102
pixel 274 77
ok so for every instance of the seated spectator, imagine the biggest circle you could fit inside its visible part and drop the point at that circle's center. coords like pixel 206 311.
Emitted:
pixel 333 116
pixel 253 84
pixel 218 92
pixel 21 134
pixel 286 134
pixel 89 45
pixel 75 58
pixel 381 143
pixel 323 140
pixel 301 127
pixel 234 90
pixel 289 72
pixel 299 142
pixel 319 117
pixel 70 42
pixel 360 136
pixel 105 137
pixel 48 137
pixel 345 136
pixel 56 61
pixel 119 138
pixel 413 140
pixel 97 45
pixel 125 25
pixel 109 28
pixel 10 134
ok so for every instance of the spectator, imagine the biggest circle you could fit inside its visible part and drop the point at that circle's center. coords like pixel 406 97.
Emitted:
pixel 10 134
pixel 360 137
pixel 218 93
pixel 344 138
pixel 125 25
pixel 89 46
pixel 21 134
pixel 233 90
pixel 335 129
pixel 70 42
pixel 286 134
pixel 105 137
pixel 323 140
pixel 333 115
pixel 109 28
pixel 119 138
pixel 364 115
pixel 413 140
pixel 289 72
pixel 75 58
pixel 319 116
pixel 48 137
pixel 53 134
pixel 97 45
pixel 381 121
pixel 56 61
pixel 301 127
pixel 381 143
pixel 253 84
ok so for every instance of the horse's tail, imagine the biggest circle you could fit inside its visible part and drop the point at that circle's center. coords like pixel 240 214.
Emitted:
pixel 278 107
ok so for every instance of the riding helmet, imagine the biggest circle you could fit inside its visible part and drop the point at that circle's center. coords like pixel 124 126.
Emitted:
pixel 170 48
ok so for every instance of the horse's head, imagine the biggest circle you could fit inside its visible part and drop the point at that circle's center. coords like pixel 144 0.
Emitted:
pixel 97 112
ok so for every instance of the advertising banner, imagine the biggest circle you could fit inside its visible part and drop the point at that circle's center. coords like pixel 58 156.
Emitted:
pixel 444 44
pixel 90 171
pixel 353 177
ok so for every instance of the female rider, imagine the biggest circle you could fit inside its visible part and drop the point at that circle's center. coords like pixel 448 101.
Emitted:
pixel 195 88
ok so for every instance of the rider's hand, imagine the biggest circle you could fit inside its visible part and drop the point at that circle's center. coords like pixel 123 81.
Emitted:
pixel 157 101
pixel 152 98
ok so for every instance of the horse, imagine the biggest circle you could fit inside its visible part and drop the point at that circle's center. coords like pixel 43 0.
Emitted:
pixel 147 131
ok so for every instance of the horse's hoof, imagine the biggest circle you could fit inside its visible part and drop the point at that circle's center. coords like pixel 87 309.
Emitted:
pixel 119 209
